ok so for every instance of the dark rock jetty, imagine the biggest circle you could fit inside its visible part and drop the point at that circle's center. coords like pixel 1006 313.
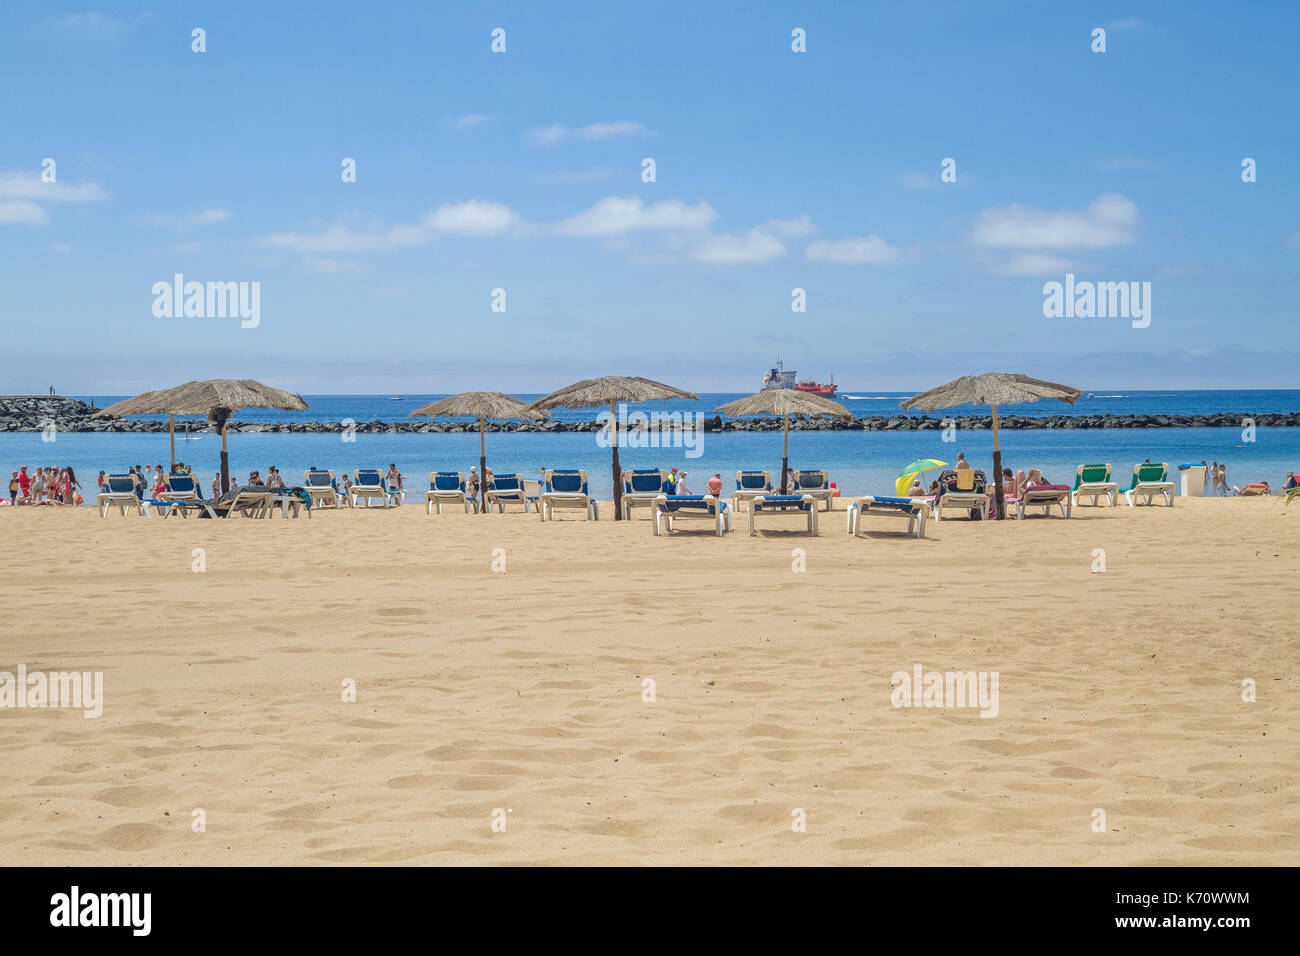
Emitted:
pixel 36 413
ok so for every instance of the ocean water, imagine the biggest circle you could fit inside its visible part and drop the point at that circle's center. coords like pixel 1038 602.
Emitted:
pixel 368 408
pixel 860 462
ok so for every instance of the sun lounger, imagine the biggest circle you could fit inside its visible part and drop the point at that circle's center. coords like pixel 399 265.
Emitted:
pixel 533 493
pixel 641 486
pixel 119 491
pixel 504 489
pixel 320 485
pixel 179 488
pixel 447 488
pixel 669 507
pixel 784 503
pixel 567 489
pixel 1150 480
pixel 962 490
pixel 183 507
pixel 913 509
pixel 1254 489
pixel 1093 481
pixel 817 484
pixel 251 501
pixel 1044 496
pixel 368 483
pixel 749 484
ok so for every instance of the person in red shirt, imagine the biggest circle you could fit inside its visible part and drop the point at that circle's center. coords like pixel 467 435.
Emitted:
pixel 24 481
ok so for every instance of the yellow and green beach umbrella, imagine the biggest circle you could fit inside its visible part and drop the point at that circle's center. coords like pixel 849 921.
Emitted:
pixel 904 480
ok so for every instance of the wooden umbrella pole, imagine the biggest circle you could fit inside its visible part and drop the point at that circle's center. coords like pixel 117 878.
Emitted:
pixel 618 478
pixel 785 456
pixel 171 432
pixel 997 468
pixel 482 465
pixel 225 460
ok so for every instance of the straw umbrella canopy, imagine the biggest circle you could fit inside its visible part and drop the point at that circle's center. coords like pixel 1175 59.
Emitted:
pixel 483 406
pixel 217 398
pixel 610 390
pixel 785 402
pixel 993 389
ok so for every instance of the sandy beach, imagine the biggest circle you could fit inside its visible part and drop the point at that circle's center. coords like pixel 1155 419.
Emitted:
pixel 523 691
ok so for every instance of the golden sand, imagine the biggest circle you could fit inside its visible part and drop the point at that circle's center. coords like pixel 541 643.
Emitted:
pixel 523 691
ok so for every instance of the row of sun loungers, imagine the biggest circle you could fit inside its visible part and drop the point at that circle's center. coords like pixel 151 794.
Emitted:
pixel 962 491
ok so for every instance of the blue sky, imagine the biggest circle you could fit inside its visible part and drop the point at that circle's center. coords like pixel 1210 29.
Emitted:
pixel 521 170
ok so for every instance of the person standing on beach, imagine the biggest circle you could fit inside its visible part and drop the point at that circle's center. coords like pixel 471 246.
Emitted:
pixel 13 489
pixel 70 485
pixel 216 485
pixel 715 485
pixel 24 482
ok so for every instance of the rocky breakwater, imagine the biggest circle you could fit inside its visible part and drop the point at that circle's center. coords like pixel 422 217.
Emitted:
pixel 32 413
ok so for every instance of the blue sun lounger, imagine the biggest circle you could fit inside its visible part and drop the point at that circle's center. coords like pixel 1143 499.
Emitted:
pixel 368 483
pixel 567 489
pixel 784 503
pixel 121 492
pixel 749 484
pixel 668 507
pixel 913 509
pixel 641 486
pixel 503 489
pixel 447 488
pixel 816 483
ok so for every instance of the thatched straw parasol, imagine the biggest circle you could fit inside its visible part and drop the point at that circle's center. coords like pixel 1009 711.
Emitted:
pixel 217 398
pixel 994 389
pixel 599 392
pixel 483 406
pixel 784 402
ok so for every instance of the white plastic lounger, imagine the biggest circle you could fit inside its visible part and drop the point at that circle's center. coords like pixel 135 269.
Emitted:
pixel 447 488
pixel 179 488
pixel 641 486
pixel 913 509
pixel 1093 481
pixel 1044 496
pixel 749 485
pixel 320 485
pixel 119 492
pixel 962 490
pixel 669 507
pixel 503 490
pixel 1149 481
pixel 368 483
pixel 817 484
pixel 768 504
pixel 567 489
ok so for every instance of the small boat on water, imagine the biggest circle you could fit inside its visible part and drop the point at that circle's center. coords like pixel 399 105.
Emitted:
pixel 396 398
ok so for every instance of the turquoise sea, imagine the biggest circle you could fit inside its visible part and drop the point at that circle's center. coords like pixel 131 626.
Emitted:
pixel 861 462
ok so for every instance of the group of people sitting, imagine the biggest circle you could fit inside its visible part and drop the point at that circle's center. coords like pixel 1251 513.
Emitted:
pixel 44 486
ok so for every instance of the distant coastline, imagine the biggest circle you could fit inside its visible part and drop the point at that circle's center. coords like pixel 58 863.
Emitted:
pixel 34 413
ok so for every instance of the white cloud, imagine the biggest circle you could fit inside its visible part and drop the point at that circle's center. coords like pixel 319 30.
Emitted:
pixel 204 217
pixel 22 211
pixel 803 226
pixel 470 120
pixel 1109 221
pixel 22 185
pixel 555 134
pixel 729 248
pixel 615 214
pixel 473 218
pixel 871 250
